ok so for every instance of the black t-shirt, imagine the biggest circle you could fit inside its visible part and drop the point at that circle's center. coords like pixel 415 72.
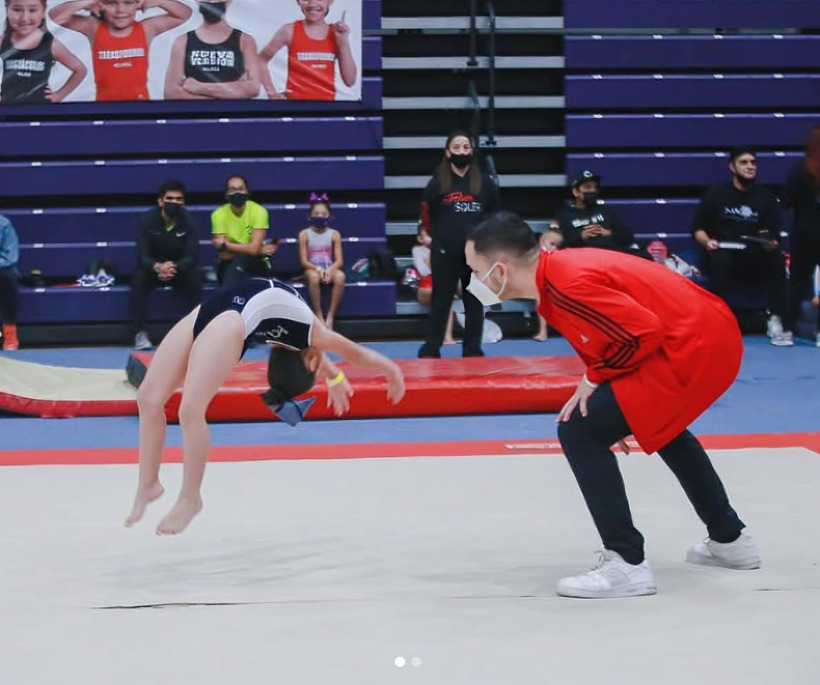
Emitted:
pixel 156 243
pixel 801 194
pixel 728 214
pixel 572 221
pixel 449 217
pixel 26 72
pixel 214 62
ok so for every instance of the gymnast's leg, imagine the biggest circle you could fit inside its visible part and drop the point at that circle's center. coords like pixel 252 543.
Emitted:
pixel 164 376
pixel 214 353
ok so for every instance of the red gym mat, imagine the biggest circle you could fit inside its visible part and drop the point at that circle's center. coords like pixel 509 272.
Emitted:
pixel 435 387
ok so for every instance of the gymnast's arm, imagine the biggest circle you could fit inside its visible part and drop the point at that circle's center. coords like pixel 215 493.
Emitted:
pixel 326 340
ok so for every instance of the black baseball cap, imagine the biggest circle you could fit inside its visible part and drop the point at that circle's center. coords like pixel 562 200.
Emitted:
pixel 583 177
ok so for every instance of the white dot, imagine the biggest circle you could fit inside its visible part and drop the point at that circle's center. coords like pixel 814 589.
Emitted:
pixel 416 661
pixel 400 661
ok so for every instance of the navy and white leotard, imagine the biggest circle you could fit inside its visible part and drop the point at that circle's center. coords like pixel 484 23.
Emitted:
pixel 273 312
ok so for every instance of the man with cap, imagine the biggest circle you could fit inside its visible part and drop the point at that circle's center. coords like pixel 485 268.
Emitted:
pixel 586 222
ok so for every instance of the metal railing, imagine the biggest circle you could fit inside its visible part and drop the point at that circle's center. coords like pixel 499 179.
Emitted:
pixel 475 101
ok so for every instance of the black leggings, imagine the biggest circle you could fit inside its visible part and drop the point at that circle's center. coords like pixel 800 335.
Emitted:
pixel 9 295
pixel 805 257
pixel 727 267
pixel 586 443
pixel 447 271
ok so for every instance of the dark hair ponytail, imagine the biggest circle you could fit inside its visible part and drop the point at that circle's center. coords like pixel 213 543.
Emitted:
pixel 288 376
pixel 504 232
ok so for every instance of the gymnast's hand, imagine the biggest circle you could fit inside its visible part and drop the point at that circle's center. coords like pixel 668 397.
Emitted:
pixel 339 397
pixel 395 385
pixel 579 399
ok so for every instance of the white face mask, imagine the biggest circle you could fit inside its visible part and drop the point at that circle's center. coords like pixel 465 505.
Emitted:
pixel 482 292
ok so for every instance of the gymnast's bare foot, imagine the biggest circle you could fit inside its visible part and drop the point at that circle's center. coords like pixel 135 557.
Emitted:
pixel 180 516
pixel 145 495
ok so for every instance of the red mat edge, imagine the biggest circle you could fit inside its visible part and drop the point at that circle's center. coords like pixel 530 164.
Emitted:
pixel 128 455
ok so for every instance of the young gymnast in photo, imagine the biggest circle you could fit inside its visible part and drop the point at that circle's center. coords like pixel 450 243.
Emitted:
pixel 28 53
pixel 215 61
pixel 120 43
pixel 314 47
pixel 199 353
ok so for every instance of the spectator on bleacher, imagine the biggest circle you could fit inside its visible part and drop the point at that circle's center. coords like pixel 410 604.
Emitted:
pixel 320 252
pixel 802 195
pixel 28 52
pixel 214 61
pixel 551 240
pixel 167 255
pixel 239 228
pixel 586 222
pixel 9 254
pixel 738 224
pixel 457 198
pixel 314 47
pixel 421 263
pixel 119 43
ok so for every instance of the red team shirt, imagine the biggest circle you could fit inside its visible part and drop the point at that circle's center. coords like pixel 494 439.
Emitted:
pixel 668 347
pixel 311 66
pixel 120 64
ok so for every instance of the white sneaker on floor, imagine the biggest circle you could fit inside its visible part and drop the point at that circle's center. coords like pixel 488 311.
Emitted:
pixel 774 327
pixel 142 341
pixel 741 555
pixel 783 339
pixel 612 577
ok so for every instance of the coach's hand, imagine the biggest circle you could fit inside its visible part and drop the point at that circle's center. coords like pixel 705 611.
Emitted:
pixel 579 399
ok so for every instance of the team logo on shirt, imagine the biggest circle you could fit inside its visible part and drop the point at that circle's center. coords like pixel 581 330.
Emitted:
pixel 239 301
pixel 742 212
pixel 462 203
pixel 586 221
pixel 277 332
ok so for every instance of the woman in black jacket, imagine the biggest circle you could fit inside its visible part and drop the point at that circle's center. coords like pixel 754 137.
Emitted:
pixel 457 198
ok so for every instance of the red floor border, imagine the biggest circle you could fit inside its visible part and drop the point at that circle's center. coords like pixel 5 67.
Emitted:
pixel 810 441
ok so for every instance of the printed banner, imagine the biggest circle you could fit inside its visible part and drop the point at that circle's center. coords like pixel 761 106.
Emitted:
pixel 123 50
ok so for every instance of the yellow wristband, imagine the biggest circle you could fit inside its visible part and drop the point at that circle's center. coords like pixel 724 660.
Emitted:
pixel 332 382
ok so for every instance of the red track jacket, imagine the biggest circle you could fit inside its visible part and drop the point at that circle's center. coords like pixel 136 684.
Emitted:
pixel 668 347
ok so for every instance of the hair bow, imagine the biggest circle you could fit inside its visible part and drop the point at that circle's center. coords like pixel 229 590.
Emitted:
pixel 319 198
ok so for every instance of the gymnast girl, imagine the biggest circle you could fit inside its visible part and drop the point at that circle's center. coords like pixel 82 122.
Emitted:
pixel 199 353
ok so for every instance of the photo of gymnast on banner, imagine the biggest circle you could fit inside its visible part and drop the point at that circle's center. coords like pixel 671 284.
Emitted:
pixel 55 51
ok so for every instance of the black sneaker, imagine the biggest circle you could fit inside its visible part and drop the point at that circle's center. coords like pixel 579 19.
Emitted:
pixel 427 352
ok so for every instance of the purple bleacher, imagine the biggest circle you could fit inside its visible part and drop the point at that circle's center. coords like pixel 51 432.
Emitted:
pixel 66 225
pixel 675 169
pixel 672 216
pixel 69 260
pixel 371 14
pixel 657 53
pixel 599 131
pixel 370 102
pixel 689 14
pixel 41 140
pixel 706 91
pixel 199 175
pixel 75 305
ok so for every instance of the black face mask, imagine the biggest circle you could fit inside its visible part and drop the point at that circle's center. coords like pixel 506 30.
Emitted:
pixel 590 199
pixel 461 161
pixel 172 209
pixel 238 199
pixel 212 12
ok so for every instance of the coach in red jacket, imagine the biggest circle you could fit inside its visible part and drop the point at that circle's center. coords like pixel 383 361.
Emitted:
pixel 659 350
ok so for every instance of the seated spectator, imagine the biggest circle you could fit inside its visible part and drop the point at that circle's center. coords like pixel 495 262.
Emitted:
pixel 421 262
pixel 320 252
pixel 239 229
pixel 738 224
pixel 551 240
pixel 660 254
pixel 9 254
pixel 167 255
pixel 802 195
pixel 586 222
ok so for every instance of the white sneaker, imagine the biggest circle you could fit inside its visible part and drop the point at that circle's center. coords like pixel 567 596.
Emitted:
pixel 741 555
pixel 612 577
pixel 817 338
pixel 774 327
pixel 782 339
pixel 142 341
